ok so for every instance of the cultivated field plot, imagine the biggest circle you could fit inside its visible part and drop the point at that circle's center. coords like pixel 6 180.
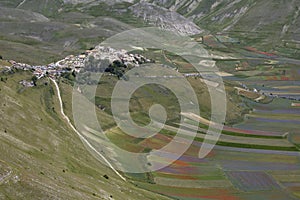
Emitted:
pixel 244 175
pixel 290 180
pixel 228 171
pixel 252 181
pixel 192 183
pixel 277 116
pixel 231 136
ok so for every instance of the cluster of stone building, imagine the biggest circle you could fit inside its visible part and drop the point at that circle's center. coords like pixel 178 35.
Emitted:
pixel 77 63
pixel 111 55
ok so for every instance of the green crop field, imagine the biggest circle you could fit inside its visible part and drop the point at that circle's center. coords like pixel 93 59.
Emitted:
pixel 46 153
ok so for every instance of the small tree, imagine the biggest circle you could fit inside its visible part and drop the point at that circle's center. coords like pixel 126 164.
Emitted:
pixel 3 79
pixel 34 80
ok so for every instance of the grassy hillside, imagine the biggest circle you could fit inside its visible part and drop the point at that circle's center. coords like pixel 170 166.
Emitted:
pixel 57 28
pixel 30 34
pixel 268 24
pixel 41 157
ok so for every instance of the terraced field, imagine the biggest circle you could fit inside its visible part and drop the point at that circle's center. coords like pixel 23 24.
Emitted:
pixel 255 46
pixel 244 160
pixel 252 159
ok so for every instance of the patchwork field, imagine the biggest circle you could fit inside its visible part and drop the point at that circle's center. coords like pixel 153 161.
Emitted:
pixel 255 46
pixel 229 171
pixel 252 159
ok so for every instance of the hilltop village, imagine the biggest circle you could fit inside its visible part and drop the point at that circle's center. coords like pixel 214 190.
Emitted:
pixel 114 62
pixel 74 64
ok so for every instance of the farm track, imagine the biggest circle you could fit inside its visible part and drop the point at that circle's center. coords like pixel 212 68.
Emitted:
pixel 83 139
pixel 21 4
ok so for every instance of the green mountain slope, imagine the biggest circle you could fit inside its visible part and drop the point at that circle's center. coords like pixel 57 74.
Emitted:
pixel 42 158
pixel 66 27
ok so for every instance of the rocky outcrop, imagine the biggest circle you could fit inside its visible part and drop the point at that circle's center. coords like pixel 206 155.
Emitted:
pixel 164 18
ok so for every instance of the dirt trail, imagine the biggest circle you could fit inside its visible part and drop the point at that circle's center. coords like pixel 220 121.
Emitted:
pixel 21 3
pixel 79 134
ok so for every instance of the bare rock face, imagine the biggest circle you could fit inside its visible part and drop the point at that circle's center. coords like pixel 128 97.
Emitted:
pixel 165 18
pixel 98 1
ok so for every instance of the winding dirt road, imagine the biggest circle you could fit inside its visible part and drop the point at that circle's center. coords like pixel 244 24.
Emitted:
pixel 79 134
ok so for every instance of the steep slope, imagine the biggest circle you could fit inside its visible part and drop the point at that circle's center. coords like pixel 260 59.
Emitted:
pixel 45 7
pixel 42 158
pixel 81 24
pixel 266 24
pixel 165 19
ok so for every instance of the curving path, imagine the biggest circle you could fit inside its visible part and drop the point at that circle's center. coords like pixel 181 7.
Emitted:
pixel 21 4
pixel 79 134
